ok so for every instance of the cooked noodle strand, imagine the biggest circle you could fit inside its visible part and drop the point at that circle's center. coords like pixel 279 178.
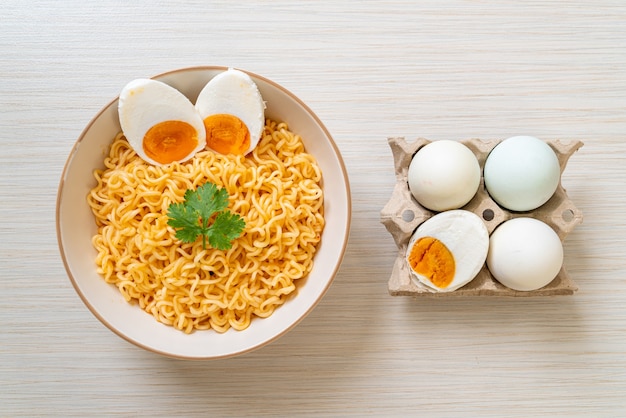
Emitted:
pixel 276 189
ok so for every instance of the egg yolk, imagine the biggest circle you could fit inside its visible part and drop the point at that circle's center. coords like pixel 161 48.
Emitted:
pixel 169 141
pixel 432 259
pixel 227 134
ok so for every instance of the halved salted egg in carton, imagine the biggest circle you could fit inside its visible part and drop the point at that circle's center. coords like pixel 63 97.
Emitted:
pixel 402 215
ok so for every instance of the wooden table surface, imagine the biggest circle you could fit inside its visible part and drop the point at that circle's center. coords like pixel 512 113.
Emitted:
pixel 370 70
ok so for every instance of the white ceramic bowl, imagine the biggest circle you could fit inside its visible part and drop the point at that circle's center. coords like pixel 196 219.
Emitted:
pixel 76 226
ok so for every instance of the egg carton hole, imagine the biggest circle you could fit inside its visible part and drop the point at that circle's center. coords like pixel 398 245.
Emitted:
pixel 402 215
pixel 488 215
pixel 408 215
pixel 567 215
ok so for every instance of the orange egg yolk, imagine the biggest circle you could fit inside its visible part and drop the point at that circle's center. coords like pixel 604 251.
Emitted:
pixel 226 134
pixel 432 259
pixel 169 141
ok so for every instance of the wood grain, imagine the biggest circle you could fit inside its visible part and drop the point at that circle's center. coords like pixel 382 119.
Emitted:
pixel 370 70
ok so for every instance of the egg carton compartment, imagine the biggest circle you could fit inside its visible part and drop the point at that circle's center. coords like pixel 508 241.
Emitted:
pixel 402 215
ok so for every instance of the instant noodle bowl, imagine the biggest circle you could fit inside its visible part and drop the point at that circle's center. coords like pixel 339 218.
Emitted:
pixel 76 227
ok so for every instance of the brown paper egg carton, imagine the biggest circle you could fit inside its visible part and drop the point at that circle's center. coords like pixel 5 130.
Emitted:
pixel 402 215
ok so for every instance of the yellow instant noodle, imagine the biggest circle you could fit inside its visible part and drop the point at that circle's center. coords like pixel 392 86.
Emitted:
pixel 276 189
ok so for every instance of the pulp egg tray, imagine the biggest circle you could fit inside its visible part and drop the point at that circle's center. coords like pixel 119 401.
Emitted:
pixel 402 215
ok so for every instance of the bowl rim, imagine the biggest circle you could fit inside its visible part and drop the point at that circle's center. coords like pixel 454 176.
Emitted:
pixel 293 324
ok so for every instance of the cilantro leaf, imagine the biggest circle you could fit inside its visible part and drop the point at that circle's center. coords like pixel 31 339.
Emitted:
pixel 203 213
pixel 227 227
pixel 185 220
pixel 207 199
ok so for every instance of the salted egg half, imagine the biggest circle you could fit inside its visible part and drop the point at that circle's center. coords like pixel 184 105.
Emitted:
pixel 448 250
pixel 159 122
pixel 233 112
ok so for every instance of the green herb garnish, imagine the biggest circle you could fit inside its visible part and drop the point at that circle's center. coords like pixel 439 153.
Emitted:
pixel 204 213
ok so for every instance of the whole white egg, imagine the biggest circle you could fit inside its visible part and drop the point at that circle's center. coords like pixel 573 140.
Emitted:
pixel 443 175
pixel 522 173
pixel 159 122
pixel 524 254
pixel 448 250
pixel 233 112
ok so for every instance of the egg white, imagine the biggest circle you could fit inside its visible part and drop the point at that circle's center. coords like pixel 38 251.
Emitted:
pixel 522 173
pixel 444 175
pixel 234 92
pixel 524 254
pixel 144 103
pixel 466 237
